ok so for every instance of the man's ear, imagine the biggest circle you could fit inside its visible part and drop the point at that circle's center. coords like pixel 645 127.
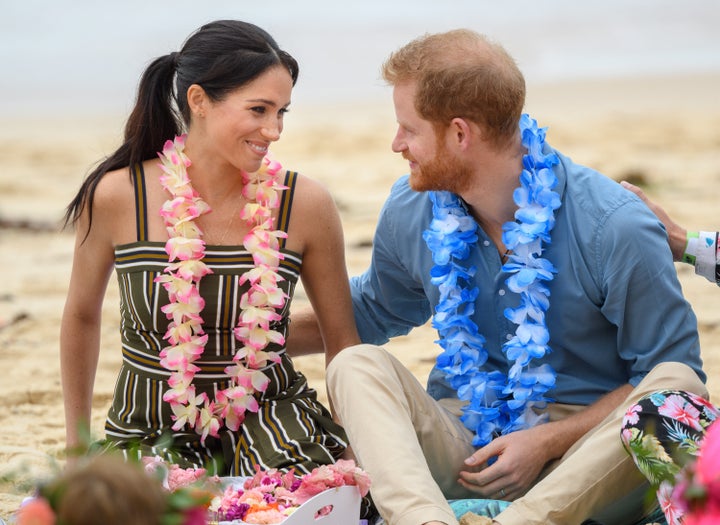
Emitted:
pixel 460 133
pixel 197 100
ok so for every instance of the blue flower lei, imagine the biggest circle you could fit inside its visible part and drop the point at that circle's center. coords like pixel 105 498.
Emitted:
pixel 498 403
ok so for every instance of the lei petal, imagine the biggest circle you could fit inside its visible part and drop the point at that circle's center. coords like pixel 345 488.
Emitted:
pixel 498 403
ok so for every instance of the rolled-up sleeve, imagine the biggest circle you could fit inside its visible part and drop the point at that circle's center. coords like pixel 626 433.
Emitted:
pixel 389 298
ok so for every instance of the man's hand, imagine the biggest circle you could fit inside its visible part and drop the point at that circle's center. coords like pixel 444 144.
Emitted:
pixel 520 455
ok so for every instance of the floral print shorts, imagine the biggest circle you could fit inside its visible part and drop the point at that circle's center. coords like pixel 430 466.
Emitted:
pixel 661 432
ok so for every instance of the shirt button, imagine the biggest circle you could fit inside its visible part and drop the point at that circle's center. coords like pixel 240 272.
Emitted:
pixel 501 293
pixel 486 243
pixel 508 337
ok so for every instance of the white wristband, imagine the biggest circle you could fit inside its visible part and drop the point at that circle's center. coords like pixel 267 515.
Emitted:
pixel 706 256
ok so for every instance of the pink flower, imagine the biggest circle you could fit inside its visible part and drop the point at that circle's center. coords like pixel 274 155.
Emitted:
pixel 195 516
pixel 257 215
pixel 183 353
pixel 179 312
pixel 252 380
pixel 271 295
pixel 673 512
pixel 676 407
pixel 232 403
pixel 185 410
pixel 272 167
pixel 626 436
pixel 176 287
pixel 181 380
pixel 324 477
pixel 264 247
pixel 708 407
pixel 707 467
pixel 182 477
pixel 207 422
pixel 259 315
pixel 256 338
pixel 631 416
pixel 183 248
pixel 702 518
pixel 190 270
pixel 262 517
pixel 266 194
pixel 183 332
pixel 37 511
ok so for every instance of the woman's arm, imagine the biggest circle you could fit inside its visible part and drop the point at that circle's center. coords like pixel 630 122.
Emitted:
pixel 80 328
pixel 697 248
pixel 324 275
pixel 677 235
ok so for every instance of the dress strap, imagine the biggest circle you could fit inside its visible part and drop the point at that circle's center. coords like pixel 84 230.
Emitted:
pixel 286 203
pixel 138 178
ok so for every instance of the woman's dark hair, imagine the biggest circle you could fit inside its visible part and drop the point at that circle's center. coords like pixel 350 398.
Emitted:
pixel 219 57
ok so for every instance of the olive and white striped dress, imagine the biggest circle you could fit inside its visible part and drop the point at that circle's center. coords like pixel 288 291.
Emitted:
pixel 291 429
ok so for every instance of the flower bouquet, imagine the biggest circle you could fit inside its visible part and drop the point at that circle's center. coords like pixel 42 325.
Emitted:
pixel 330 494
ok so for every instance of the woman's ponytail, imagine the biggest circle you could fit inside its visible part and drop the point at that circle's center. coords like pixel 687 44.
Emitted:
pixel 153 120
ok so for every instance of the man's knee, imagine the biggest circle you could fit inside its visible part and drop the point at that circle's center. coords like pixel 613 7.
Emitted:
pixel 677 376
pixel 353 361
pixel 352 355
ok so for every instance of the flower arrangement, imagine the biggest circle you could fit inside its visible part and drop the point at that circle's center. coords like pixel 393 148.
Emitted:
pixel 498 403
pixel 105 489
pixel 160 492
pixel 259 304
pixel 175 477
pixel 694 496
pixel 271 496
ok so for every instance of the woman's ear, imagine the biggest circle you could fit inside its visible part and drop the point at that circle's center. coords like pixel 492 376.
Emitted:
pixel 197 100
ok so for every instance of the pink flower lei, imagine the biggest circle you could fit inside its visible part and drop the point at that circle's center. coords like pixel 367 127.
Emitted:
pixel 259 304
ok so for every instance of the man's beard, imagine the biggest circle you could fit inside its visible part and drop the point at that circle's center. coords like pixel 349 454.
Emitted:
pixel 443 173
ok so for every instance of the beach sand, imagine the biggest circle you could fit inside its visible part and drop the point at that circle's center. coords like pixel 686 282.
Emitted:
pixel 662 132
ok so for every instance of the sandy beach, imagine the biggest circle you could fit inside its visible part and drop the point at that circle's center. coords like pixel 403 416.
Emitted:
pixel 661 132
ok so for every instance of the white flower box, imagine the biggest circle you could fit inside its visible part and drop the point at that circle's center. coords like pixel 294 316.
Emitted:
pixel 345 503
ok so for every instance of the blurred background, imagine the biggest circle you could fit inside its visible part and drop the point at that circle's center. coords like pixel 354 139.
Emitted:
pixel 84 56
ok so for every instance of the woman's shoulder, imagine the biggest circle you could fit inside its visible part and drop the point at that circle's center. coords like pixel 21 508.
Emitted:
pixel 114 187
pixel 311 194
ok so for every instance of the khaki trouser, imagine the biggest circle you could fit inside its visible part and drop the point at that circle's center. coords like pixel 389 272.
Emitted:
pixel 413 447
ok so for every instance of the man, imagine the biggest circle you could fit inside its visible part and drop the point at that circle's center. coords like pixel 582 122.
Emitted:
pixel 557 285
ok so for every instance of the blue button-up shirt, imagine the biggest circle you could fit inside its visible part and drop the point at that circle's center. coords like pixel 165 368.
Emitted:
pixel 616 306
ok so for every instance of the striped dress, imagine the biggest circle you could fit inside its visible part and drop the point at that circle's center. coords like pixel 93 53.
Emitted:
pixel 291 429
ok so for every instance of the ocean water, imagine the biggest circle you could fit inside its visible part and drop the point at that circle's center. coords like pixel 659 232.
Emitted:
pixel 80 57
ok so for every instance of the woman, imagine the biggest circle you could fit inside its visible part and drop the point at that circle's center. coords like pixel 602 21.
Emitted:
pixel 207 255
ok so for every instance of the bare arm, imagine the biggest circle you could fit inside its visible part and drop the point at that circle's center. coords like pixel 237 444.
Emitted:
pixel 80 328
pixel 331 323
pixel 305 337
pixel 523 454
